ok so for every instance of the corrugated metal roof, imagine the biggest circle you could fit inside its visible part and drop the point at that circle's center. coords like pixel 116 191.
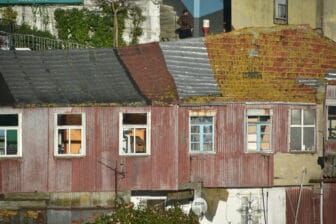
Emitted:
pixel 147 67
pixel 67 77
pixel 187 60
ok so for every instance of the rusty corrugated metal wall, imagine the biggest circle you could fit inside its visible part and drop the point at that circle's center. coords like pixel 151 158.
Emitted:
pixel 329 203
pixel 230 166
pixel 39 170
pixel 305 210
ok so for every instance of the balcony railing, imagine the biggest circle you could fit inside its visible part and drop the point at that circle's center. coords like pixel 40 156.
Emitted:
pixel 14 41
pixel 9 39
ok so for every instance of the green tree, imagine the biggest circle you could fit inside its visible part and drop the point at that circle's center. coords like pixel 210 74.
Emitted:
pixel 103 28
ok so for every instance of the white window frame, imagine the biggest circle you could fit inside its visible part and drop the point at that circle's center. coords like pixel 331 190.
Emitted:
pixel 19 135
pixel 258 112
pixel 60 127
pixel 146 126
pixel 302 126
pixel 329 128
pixel 277 18
pixel 202 114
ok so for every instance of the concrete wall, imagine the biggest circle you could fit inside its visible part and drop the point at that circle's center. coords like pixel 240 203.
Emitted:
pixel 329 19
pixel 246 13
pixel 292 169
pixel 271 203
pixel 42 17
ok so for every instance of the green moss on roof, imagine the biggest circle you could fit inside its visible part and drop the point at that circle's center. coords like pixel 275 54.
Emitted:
pixel 263 64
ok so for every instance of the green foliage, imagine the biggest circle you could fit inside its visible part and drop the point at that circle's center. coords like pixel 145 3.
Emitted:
pixel 125 214
pixel 137 19
pixel 26 29
pixel 9 14
pixel 95 28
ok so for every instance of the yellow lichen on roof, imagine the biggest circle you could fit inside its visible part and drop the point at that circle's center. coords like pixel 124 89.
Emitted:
pixel 263 64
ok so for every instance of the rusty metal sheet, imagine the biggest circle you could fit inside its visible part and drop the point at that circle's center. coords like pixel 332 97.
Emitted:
pixel 39 170
pixel 147 67
pixel 302 210
pixel 329 205
pixel 230 165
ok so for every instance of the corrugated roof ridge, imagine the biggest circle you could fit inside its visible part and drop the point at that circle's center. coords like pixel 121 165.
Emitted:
pixel 180 57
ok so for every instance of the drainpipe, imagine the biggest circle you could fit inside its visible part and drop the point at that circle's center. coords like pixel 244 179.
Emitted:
pixel 321 202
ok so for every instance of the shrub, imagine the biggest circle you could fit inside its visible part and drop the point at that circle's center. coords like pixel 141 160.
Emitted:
pixel 126 214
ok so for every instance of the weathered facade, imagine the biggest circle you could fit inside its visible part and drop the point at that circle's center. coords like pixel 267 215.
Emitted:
pixel 317 14
pixel 242 119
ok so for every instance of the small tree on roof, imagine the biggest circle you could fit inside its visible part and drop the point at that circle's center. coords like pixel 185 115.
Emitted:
pixel 117 6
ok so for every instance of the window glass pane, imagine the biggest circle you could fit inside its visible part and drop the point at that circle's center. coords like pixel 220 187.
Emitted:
pixel 265 146
pixel 62 141
pixel 252 146
pixel 308 138
pixel 331 110
pixel 265 118
pixel 195 129
pixel 207 129
pixel 127 141
pixel 265 138
pixel 207 147
pixel 282 11
pixel 194 120
pixel 201 120
pixel 332 122
pixel 295 138
pixel 252 128
pixel 207 138
pixel 264 128
pixel 12 142
pixel 69 119
pixel 296 116
pixel 2 142
pixel 207 120
pixel 309 117
pixel 140 140
pixel 252 137
pixel 195 138
pixel 195 146
pixel 134 118
pixel 253 119
pixel 9 120
pixel 332 128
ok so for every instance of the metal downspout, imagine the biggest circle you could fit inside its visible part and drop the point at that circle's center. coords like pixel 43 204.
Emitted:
pixel 321 202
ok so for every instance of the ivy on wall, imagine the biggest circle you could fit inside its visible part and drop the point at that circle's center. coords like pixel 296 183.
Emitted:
pixel 95 28
pixel 8 24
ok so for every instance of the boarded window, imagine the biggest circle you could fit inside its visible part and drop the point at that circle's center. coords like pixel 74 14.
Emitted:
pixel 135 136
pixel 259 130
